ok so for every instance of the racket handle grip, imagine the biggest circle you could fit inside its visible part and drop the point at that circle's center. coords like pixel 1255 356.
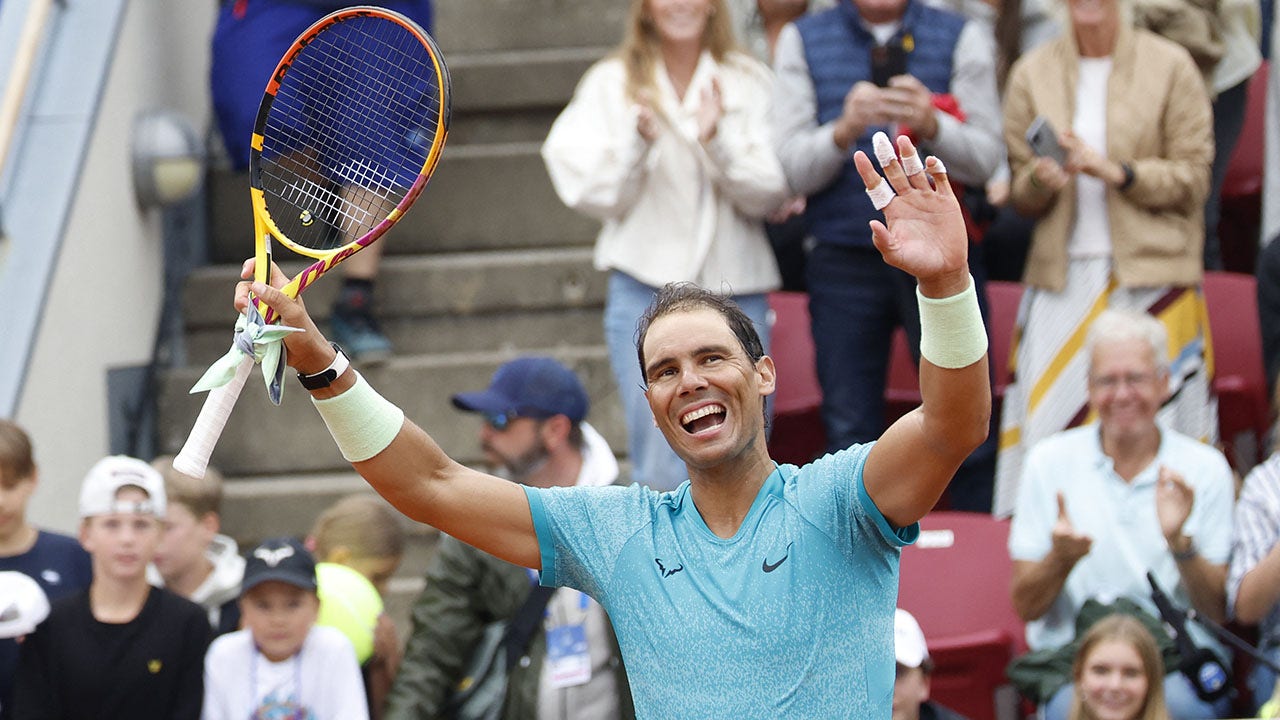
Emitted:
pixel 193 459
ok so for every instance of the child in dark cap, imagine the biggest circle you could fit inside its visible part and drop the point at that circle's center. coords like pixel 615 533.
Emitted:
pixel 282 665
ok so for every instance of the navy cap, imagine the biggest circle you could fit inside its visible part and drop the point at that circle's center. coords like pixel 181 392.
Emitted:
pixel 536 387
pixel 282 559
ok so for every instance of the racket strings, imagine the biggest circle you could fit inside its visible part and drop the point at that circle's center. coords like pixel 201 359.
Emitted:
pixel 349 131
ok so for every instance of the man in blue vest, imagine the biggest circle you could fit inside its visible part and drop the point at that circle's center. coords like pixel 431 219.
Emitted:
pixel 843 74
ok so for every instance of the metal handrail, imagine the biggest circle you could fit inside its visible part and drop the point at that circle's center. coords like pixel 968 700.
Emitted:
pixel 20 73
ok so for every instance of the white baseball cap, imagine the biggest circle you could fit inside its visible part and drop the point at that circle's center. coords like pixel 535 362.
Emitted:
pixel 23 604
pixel 909 647
pixel 108 475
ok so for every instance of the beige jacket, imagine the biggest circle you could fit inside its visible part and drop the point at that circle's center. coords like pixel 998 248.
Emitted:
pixel 1159 120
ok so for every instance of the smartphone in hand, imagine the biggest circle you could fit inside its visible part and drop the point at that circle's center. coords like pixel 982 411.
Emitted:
pixel 1043 140
pixel 887 61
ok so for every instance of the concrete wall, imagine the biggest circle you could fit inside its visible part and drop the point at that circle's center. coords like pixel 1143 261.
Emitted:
pixel 103 304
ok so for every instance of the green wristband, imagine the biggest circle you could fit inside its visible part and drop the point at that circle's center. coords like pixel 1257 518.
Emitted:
pixel 951 331
pixel 361 421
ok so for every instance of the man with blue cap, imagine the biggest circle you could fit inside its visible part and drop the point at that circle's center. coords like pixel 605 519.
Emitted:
pixel 535 434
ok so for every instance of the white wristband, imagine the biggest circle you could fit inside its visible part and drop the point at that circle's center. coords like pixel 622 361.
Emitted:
pixel 951 331
pixel 361 421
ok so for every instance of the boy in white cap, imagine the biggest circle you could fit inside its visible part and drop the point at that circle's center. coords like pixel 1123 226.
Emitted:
pixel 121 648
pixel 911 683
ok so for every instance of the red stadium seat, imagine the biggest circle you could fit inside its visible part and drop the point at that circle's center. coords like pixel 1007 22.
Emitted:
pixel 1239 380
pixel 955 581
pixel 1003 298
pixel 902 385
pixel 968 673
pixel 797 436
pixel 1240 221
pixel 902 391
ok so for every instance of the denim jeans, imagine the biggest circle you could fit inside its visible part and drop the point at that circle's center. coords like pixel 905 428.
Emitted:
pixel 1262 679
pixel 1179 696
pixel 653 462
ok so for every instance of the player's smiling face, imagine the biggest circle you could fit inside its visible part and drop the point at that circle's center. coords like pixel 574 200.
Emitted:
pixel 705 393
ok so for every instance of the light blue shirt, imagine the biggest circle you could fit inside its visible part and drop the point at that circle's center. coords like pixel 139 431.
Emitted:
pixel 1121 519
pixel 792 617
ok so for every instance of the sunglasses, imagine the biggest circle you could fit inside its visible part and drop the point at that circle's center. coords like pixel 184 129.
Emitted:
pixel 499 421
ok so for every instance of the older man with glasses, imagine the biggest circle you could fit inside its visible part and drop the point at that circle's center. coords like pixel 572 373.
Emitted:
pixel 1103 504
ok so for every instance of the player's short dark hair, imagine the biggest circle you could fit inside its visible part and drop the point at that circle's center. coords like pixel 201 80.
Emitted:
pixel 686 297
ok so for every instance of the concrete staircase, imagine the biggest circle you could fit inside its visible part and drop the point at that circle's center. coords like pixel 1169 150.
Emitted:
pixel 487 265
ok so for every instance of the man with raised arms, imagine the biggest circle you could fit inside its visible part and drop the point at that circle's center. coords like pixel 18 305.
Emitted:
pixel 753 589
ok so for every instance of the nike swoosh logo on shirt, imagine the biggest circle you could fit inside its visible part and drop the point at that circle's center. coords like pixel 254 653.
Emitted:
pixel 767 567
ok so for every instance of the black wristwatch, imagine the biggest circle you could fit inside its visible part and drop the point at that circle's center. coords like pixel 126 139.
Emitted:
pixel 325 377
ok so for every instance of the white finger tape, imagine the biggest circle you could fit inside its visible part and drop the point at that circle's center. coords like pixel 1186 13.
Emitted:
pixel 938 168
pixel 883 147
pixel 881 195
pixel 911 164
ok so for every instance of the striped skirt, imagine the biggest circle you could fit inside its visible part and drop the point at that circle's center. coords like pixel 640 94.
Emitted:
pixel 1050 364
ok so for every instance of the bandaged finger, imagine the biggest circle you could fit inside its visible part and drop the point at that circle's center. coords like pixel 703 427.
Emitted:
pixel 881 195
pixel 883 147
pixel 911 164
pixel 937 168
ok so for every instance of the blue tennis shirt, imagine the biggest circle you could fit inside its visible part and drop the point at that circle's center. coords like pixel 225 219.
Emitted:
pixel 792 617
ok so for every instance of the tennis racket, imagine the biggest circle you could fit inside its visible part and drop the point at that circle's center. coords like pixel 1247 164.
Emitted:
pixel 348 133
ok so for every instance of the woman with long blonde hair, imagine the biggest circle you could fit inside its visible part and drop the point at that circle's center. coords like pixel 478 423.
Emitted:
pixel 666 141
pixel 1119 674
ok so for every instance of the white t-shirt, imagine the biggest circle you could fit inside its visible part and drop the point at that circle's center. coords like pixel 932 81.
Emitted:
pixel 1091 235
pixel 322 681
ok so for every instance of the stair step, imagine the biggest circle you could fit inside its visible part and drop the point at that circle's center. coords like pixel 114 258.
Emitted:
pixel 468 26
pixel 481 197
pixel 518 79
pixel 457 284
pixel 503 331
pixel 260 439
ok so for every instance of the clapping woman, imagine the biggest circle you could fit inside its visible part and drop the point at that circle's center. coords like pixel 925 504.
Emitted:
pixel 666 142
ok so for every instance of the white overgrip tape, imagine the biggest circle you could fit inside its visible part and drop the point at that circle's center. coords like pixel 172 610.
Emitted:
pixel 883 147
pixel 911 164
pixel 881 195
pixel 951 331
pixel 361 421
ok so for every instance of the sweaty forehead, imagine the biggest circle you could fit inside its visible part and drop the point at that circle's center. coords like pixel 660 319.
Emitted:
pixel 698 327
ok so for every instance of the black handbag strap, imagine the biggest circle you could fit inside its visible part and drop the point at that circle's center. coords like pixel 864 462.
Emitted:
pixel 521 626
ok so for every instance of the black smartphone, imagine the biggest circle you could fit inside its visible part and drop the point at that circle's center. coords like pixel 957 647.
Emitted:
pixel 887 61
pixel 1043 140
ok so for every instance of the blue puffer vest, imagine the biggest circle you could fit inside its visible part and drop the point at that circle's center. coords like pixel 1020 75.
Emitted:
pixel 838 50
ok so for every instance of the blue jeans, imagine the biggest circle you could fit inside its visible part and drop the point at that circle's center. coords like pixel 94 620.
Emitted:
pixel 1262 680
pixel 1179 696
pixel 653 462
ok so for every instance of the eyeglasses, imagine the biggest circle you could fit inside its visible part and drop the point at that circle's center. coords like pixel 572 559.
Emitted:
pixel 498 421
pixel 1112 382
